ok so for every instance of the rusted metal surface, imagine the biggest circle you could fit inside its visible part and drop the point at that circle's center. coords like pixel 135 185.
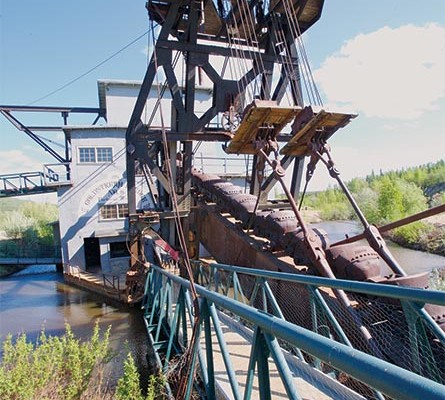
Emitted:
pixel 284 232
pixel 231 245
pixel 356 262
pixel 213 19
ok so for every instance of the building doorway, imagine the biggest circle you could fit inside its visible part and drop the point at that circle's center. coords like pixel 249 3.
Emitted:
pixel 92 254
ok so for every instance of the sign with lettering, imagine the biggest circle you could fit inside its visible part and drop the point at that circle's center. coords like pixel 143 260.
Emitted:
pixel 114 191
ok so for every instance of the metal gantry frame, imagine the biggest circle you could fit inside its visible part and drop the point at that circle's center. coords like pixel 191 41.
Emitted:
pixel 184 29
pixel 8 110
pixel 168 315
pixel 23 183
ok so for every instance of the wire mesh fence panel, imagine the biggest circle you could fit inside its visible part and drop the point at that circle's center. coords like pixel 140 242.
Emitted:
pixel 378 326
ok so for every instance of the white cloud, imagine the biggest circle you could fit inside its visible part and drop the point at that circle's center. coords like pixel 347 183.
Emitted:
pixel 389 73
pixel 14 161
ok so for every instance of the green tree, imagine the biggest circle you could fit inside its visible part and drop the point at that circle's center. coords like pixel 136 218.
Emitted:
pixel 367 200
pixel 390 199
pixel 413 199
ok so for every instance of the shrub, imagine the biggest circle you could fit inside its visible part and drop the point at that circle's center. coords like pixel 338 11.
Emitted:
pixel 413 233
pixel 16 224
pixel 332 204
pixel 53 368
pixel 128 387
pixel 30 222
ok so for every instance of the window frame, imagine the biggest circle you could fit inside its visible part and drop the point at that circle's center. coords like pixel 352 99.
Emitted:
pixel 96 154
pixel 118 210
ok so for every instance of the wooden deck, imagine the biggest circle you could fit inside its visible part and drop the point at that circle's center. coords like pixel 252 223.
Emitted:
pixel 313 125
pixel 111 287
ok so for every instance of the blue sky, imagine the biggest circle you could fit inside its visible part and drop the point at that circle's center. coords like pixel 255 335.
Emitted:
pixel 383 59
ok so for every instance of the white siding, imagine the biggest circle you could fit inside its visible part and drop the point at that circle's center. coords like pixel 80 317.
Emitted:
pixel 95 184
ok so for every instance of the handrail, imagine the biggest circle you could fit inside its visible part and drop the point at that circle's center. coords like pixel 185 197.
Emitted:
pixel 387 378
pixel 374 289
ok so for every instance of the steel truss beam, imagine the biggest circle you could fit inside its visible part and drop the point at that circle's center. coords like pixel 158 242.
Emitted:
pixel 7 110
pixel 180 32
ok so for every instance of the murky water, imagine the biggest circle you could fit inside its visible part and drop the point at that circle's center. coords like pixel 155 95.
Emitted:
pixel 29 303
pixel 412 261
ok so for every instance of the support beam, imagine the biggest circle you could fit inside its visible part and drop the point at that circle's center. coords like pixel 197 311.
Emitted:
pixel 33 136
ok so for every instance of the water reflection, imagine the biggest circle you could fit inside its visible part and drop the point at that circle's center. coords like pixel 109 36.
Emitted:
pixel 31 302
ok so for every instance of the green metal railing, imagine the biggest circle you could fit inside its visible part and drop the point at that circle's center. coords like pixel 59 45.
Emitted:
pixel 168 317
pixel 400 313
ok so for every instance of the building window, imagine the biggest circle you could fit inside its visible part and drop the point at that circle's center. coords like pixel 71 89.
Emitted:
pixel 104 154
pixel 87 155
pixel 113 211
pixel 119 249
pixel 95 154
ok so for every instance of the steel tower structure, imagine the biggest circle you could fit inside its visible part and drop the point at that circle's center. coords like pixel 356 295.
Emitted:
pixel 259 40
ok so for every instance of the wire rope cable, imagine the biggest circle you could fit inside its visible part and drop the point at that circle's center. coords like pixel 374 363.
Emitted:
pixel 248 25
pixel 188 358
pixel 287 61
pixel 295 26
pixel 69 83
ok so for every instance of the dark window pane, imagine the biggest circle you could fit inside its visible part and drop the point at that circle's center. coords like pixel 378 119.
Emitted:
pixel 119 249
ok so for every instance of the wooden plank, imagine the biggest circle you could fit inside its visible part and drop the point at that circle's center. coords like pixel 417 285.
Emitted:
pixel 261 118
pixel 322 124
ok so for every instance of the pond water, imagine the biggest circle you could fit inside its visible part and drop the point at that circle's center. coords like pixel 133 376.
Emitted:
pixel 32 302
pixel 412 261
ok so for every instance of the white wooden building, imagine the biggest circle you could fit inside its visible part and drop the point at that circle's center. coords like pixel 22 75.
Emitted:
pixel 93 210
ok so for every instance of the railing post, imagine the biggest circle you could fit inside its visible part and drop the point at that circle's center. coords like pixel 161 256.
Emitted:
pixel 209 350
pixel 263 294
pixel 317 297
pixel 254 292
pixel 259 354
pixel 417 335
pixel 411 319
pixel 428 321
pixel 174 327
pixel 194 349
pixel 224 352
pixel 239 289
pixel 283 368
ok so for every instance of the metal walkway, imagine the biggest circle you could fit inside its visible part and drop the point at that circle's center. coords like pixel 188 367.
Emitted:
pixel 251 347
pixel 52 178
